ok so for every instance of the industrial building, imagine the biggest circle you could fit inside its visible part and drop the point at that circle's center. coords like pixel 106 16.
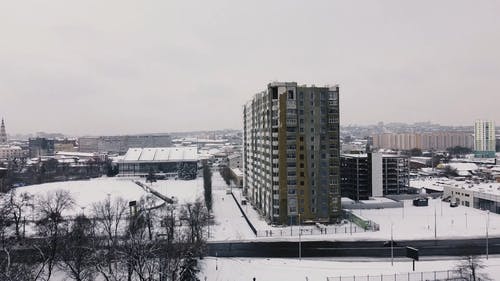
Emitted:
pixel 171 162
pixel 484 196
pixel 291 153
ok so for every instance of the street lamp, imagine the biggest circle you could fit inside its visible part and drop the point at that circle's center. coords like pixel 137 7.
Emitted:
pixel 487 234
pixel 300 242
pixel 466 224
pixel 435 223
pixel 392 244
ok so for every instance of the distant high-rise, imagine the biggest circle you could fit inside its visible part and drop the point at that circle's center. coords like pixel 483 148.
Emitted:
pixel 3 133
pixel 484 139
pixel 291 153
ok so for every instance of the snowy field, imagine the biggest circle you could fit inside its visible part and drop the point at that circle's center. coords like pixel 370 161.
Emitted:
pixel 85 193
pixel 184 190
pixel 224 269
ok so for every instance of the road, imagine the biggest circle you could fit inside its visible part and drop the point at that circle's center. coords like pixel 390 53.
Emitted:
pixel 457 247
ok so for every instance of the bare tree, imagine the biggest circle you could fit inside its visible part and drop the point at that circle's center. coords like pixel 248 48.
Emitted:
pixel 196 216
pixel 52 224
pixel 12 266
pixel 142 253
pixel 469 269
pixel 18 203
pixel 109 217
pixel 76 255
pixel 5 211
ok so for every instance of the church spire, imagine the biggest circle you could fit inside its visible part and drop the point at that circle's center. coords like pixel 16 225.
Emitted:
pixel 3 134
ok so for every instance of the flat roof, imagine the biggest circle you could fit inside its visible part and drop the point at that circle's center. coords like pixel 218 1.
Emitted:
pixel 161 154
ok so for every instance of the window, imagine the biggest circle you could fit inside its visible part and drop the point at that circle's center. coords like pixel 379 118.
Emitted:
pixel 290 94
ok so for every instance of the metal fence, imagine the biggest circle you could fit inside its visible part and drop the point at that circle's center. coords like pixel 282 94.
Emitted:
pixel 450 275
pixel 311 230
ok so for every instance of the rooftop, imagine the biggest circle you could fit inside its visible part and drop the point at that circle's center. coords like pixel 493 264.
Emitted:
pixel 161 154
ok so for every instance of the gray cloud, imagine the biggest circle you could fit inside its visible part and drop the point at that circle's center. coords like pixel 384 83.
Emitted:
pixel 96 67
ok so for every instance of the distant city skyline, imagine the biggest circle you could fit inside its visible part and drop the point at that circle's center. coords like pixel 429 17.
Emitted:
pixel 125 67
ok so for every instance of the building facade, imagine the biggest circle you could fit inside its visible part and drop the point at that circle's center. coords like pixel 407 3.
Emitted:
pixel 424 141
pixel 10 152
pixel 484 196
pixel 291 153
pixel 121 144
pixel 373 175
pixel 484 139
pixel 39 147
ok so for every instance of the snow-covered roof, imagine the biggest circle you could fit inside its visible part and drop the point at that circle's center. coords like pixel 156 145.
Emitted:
pixel 161 154
pixel 75 154
pixel 463 166
pixel 237 172
pixel 487 188
pixel 234 156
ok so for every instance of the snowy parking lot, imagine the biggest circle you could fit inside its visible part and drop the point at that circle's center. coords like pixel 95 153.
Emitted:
pixel 413 222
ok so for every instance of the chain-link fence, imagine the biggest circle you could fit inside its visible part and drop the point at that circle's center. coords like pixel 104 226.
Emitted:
pixel 450 275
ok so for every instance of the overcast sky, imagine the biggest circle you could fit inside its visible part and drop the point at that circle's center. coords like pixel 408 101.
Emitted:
pixel 115 67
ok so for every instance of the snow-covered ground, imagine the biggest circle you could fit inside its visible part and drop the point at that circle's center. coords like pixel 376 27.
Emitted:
pixel 418 222
pixel 87 192
pixel 409 222
pixel 228 269
pixel 184 190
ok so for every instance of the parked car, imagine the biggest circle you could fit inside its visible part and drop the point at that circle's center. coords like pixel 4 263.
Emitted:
pixel 388 243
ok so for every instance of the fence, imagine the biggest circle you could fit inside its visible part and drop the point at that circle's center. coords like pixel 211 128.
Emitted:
pixel 450 275
pixel 310 230
pixel 244 215
pixel 360 221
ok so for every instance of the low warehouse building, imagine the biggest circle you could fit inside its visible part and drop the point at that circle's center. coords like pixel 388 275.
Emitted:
pixel 171 162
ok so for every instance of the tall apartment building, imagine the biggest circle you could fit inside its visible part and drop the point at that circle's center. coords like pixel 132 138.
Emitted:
pixel 484 139
pixel 425 141
pixel 291 153
pixel 373 175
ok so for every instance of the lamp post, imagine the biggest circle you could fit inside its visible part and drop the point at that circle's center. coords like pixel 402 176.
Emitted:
pixel 403 209
pixel 487 234
pixel 466 224
pixel 392 244
pixel 435 223
pixel 300 242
